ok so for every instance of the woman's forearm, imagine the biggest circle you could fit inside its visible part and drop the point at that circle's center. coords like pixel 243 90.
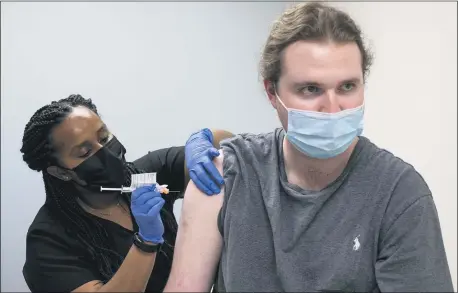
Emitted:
pixel 133 274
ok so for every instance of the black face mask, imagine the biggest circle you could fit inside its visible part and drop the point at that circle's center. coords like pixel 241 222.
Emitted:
pixel 104 168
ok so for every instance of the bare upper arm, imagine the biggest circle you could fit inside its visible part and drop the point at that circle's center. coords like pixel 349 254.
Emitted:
pixel 92 286
pixel 199 243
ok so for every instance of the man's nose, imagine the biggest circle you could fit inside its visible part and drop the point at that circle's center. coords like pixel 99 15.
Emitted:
pixel 330 103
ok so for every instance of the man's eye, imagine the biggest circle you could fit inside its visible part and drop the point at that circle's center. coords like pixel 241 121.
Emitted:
pixel 311 89
pixel 347 87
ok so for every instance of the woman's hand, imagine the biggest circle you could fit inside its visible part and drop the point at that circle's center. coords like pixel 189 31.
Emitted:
pixel 199 154
pixel 146 204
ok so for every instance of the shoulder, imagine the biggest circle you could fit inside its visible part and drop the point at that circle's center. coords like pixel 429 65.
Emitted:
pixel 54 259
pixel 45 221
pixel 250 140
pixel 248 146
pixel 46 234
pixel 399 182
pixel 390 167
pixel 410 194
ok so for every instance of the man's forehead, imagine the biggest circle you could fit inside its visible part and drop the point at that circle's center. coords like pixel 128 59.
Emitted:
pixel 325 61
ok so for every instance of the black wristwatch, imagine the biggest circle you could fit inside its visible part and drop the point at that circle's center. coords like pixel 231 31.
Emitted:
pixel 144 246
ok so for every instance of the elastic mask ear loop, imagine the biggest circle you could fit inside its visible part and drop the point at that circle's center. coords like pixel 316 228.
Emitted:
pixel 278 98
pixel 281 102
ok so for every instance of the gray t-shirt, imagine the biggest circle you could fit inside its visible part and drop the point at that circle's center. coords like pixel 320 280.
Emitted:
pixel 373 229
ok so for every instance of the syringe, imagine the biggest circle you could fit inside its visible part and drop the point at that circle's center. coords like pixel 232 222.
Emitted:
pixel 162 189
pixel 122 189
pixel 139 180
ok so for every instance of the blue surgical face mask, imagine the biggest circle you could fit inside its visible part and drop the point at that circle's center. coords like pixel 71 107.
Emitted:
pixel 323 135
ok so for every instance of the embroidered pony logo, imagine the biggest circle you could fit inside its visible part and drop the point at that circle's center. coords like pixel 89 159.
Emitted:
pixel 356 243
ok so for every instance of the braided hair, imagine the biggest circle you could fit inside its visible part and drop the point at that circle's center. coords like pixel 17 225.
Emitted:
pixel 38 153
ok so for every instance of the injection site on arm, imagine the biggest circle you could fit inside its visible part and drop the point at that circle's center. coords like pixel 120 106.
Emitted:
pixel 199 242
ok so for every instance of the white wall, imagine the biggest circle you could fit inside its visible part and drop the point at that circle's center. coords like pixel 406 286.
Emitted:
pixel 149 65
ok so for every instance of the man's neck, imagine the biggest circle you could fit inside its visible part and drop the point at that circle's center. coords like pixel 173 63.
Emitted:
pixel 310 173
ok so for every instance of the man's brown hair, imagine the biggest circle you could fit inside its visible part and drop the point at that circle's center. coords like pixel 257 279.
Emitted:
pixel 312 21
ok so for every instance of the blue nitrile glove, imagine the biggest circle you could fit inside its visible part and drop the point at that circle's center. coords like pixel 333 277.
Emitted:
pixel 199 154
pixel 146 203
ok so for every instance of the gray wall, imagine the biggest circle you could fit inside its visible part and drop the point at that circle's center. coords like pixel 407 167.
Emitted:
pixel 153 69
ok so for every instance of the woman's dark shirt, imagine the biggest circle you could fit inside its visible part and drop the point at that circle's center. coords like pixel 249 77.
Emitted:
pixel 56 261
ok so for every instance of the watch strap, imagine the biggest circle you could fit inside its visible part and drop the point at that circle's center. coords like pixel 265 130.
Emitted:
pixel 144 246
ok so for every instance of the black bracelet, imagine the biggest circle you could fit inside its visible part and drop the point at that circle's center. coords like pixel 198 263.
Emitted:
pixel 145 247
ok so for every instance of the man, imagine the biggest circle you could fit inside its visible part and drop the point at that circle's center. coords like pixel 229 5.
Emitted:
pixel 318 208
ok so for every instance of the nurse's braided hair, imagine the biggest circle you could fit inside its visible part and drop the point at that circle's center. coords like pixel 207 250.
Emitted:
pixel 38 153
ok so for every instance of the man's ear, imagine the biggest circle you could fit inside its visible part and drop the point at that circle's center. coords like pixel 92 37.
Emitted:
pixel 60 173
pixel 270 91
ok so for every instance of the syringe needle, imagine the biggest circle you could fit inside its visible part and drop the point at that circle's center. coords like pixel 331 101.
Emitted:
pixel 109 189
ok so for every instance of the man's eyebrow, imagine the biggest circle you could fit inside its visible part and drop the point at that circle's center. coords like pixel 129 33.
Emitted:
pixel 351 80
pixel 318 84
pixel 307 83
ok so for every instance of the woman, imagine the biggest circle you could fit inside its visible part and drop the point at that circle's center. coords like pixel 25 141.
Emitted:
pixel 83 240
